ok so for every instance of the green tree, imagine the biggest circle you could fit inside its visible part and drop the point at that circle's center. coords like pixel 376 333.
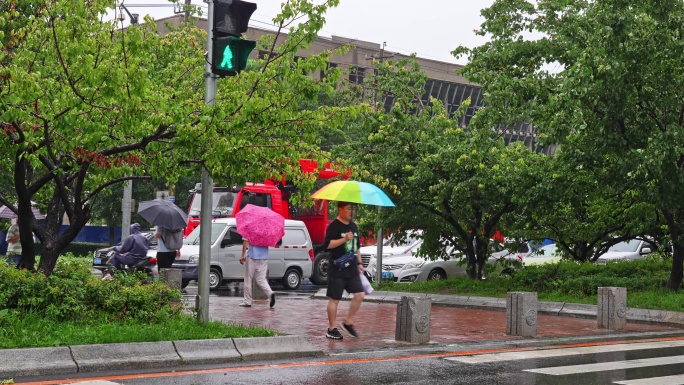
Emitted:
pixel 579 209
pixel 88 106
pixel 454 183
pixel 603 75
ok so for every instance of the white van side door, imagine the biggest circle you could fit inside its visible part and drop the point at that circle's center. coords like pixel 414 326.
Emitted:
pixel 227 256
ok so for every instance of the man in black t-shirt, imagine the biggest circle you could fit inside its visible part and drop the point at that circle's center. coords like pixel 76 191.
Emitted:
pixel 342 237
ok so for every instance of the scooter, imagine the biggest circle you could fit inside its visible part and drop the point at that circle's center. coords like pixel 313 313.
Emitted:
pixel 147 265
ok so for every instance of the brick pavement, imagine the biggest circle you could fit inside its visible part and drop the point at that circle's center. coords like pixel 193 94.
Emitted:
pixel 301 315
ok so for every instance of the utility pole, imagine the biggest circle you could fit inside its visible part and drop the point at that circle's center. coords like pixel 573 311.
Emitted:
pixel 378 257
pixel 126 209
pixel 202 299
pixel 128 186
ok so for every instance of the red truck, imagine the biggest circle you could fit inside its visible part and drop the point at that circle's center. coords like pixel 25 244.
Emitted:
pixel 227 202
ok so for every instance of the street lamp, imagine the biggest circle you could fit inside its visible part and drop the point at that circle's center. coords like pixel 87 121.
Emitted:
pixel 133 16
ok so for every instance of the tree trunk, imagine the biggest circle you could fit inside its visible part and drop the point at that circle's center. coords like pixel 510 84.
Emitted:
pixel 48 260
pixel 675 281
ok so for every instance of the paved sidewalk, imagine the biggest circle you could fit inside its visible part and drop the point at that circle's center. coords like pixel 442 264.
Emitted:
pixel 375 323
pixel 303 322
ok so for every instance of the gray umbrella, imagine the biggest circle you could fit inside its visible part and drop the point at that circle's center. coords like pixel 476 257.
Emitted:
pixel 6 212
pixel 163 213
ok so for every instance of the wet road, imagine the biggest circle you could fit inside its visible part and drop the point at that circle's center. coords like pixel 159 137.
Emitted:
pixel 652 362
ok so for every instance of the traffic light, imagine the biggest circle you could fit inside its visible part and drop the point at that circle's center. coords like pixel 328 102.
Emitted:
pixel 229 50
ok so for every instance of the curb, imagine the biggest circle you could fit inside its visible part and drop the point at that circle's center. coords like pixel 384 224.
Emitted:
pixel 563 309
pixel 90 358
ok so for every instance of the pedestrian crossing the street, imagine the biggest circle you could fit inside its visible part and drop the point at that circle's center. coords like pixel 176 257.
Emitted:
pixel 644 363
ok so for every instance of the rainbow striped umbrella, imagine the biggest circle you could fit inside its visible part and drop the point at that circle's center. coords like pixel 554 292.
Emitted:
pixel 353 191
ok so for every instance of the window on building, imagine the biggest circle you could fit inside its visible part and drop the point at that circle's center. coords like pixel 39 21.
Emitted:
pixel 356 75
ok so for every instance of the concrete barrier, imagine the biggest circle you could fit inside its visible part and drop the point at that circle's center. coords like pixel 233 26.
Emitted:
pixel 611 312
pixel 521 314
pixel 36 362
pixel 413 320
pixel 172 277
pixel 262 348
pixel 217 351
pixel 138 355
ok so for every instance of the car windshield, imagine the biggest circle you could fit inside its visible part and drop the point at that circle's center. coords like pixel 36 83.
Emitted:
pixel 222 201
pixel 625 246
pixel 393 242
pixel 193 237
pixel 545 251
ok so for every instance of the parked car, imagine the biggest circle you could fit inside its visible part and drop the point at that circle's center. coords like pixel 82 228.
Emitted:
pixel 628 251
pixel 289 262
pixel 101 256
pixel 390 246
pixel 545 254
pixel 409 268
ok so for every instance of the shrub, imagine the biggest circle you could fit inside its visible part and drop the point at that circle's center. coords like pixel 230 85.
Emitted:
pixel 79 249
pixel 72 294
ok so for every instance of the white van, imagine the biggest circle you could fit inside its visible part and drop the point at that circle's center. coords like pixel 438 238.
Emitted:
pixel 290 261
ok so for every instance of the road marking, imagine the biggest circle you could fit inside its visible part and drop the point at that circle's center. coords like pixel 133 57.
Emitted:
pixel 556 352
pixel 448 355
pixel 667 380
pixel 606 366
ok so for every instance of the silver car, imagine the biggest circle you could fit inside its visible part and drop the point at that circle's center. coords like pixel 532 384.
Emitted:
pixel 627 251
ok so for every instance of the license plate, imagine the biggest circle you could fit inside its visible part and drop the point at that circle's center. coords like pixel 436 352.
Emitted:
pixel 387 275
pixel 97 261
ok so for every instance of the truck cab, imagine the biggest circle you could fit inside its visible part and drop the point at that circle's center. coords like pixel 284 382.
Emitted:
pixel 274 195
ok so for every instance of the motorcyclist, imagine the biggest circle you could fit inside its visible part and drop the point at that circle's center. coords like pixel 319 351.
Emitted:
pixel 131 251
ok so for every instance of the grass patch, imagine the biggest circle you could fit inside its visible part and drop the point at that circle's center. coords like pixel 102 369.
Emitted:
pixel 567 282
pixel 70 307
pixel 35 331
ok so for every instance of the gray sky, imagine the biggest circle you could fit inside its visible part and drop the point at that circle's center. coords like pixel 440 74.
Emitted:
pixel 430 28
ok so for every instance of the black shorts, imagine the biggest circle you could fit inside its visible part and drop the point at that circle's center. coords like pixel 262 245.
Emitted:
pixel 337 286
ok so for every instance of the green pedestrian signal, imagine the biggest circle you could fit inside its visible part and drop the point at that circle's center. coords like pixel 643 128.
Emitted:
pixel 230 55
pixel 230 52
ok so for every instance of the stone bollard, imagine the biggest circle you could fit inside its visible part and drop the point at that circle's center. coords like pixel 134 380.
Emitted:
pixel 413 320
pixel 612 308
pixel 172 277
pixel 521 314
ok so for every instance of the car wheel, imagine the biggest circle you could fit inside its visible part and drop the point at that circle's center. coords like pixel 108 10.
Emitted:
pixel 215 278
pixel 320 269
pixel 292 279
pixel 436 275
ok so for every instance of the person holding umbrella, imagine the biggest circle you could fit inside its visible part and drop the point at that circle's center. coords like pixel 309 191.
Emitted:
pixel 260 228
pixel 256 265
pixel 342 239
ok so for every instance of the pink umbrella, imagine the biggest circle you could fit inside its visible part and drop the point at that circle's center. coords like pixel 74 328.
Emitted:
pixel 261 226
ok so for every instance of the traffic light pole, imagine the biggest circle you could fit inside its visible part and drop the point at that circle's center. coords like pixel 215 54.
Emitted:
pixel 202 299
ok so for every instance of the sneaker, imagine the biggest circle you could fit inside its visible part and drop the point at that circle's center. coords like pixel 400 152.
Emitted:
pixel 334 334
pixel 272 300
pixel 349 329
pixel 244 304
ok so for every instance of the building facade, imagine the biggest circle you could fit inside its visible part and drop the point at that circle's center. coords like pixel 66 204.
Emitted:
pixel 443 84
